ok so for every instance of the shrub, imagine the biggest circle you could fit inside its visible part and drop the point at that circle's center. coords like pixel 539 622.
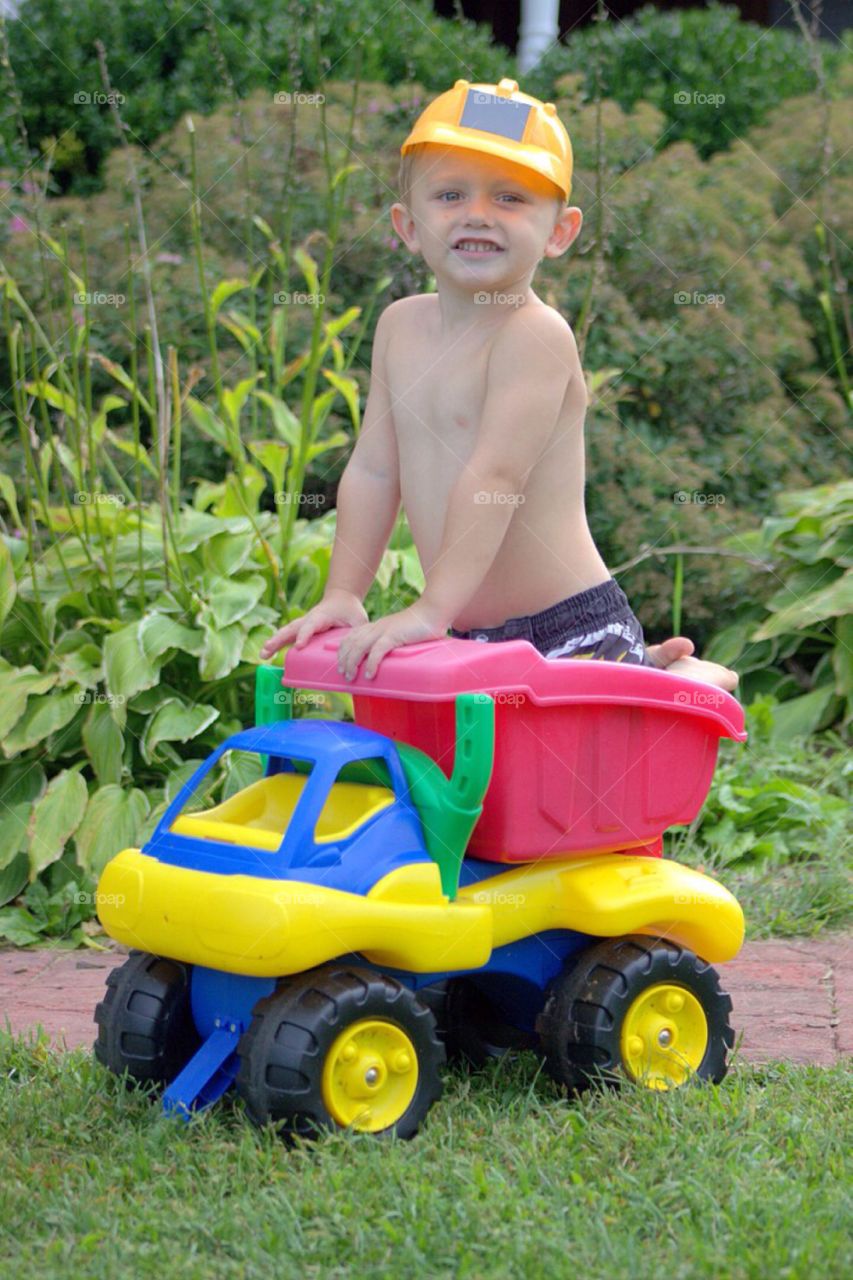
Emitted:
pixel 682 61
pixel 177 56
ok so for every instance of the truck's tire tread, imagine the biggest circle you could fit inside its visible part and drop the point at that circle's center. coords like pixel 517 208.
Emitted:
pixel 282 1051
pixel 145 1023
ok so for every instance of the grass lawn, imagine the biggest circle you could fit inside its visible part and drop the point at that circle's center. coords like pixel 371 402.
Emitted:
pixel 749 1179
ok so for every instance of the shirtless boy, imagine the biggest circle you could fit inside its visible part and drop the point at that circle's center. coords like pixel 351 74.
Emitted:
pixel 475 413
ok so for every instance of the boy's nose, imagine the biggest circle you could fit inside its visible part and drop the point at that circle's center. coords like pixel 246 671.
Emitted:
pixel 478 215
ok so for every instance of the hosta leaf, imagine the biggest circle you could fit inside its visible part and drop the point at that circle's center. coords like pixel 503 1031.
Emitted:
pixel 127 669
pixel 227 553
pixel 157 633
pixel 176 722
pixel 803 715
pixel 228 601
pixel 16 684
pixel 21 780
pixel 221 653
pixel 242 492
pixel 44 715
pixel 13 831
pixel 104 743
pixel 112 822
pixel 13 878
pixel 55 818
pixel 829 602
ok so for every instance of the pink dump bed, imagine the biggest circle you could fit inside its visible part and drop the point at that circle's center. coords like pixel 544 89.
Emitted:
pixel 589 756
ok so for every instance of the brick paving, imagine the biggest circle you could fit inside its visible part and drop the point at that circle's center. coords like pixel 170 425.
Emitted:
pixel 793 1000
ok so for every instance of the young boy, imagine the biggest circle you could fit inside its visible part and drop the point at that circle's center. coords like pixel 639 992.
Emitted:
pixel 475 414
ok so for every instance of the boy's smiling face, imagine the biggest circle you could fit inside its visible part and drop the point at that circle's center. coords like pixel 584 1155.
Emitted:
pixel 480 220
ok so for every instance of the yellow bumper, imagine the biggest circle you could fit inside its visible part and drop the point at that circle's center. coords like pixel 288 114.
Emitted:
pixel 270 928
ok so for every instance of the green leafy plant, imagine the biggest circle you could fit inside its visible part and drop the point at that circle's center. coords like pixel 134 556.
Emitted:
pixel 798 645
pixel 221 49
pixel 682 61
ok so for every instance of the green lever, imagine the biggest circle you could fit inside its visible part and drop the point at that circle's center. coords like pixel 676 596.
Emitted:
pixel 449 808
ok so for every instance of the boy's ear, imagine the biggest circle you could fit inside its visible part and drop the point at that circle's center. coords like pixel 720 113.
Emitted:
pixel 405 227
pixel 566 231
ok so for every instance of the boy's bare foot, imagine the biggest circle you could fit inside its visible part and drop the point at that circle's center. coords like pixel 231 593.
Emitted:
pixel 675 655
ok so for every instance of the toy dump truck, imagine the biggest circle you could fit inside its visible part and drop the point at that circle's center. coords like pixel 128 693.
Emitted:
pixel 475 864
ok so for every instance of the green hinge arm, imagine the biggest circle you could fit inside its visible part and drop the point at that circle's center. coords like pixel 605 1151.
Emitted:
pixel 449 808
pixel 273 700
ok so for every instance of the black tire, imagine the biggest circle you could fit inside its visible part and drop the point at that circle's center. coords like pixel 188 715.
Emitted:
pixel 582 1019
pixel 474 1030
pixel 285 1049
pixel 145 1022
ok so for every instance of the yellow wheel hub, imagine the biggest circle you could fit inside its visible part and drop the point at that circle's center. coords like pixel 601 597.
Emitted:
pixel 370 1075
pixel 664 1036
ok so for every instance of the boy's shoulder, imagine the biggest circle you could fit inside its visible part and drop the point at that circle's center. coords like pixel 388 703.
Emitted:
pixel 403 310
pixel 540 325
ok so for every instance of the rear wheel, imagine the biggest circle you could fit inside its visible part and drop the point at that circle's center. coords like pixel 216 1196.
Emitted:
pixel 341 1047
pixel 474 1029
pixel 630 1008
pixel 145 1022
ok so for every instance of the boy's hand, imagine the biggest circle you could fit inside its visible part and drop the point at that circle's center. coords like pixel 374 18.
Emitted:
pixel 336 609
pixel 374 640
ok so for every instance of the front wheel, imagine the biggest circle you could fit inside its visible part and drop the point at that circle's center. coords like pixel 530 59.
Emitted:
pixel 341 1047
pixel 630 1008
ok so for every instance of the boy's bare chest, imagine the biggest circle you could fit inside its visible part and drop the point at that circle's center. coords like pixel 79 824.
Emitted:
pixel 437 399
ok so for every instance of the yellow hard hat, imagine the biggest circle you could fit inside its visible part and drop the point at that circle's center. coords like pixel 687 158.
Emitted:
pixel 500 120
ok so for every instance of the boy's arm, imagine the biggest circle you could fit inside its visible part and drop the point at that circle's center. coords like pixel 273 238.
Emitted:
pixel 368 497
pixel 530 365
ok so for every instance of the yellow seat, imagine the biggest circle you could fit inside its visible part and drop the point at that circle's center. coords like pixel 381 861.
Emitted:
pixel 258 815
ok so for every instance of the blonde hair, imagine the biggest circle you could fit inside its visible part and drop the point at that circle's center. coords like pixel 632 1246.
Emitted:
pixel 405 175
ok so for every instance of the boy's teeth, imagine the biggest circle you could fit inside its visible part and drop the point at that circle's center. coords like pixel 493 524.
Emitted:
pixel 477 246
